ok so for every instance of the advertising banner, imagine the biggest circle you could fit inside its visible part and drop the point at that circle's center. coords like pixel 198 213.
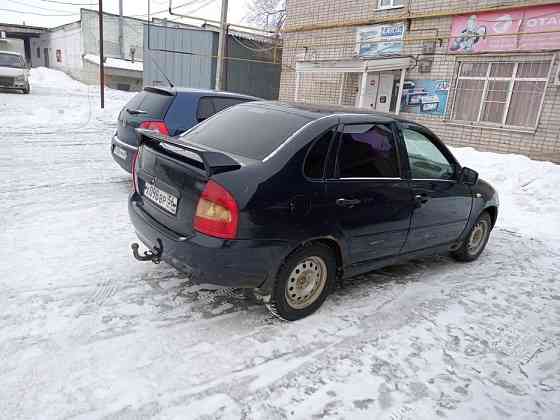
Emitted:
pixel 380 40
pixel 526 29
pixel 428 97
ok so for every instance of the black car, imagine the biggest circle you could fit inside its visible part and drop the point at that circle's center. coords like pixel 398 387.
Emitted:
pixel 288 198
pixel 169 111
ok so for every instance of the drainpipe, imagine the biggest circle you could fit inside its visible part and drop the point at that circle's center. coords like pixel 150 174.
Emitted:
pixel 121 32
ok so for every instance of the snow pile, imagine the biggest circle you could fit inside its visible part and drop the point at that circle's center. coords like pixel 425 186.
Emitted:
pixel 58 102
pixel 529 203
pixel 116 63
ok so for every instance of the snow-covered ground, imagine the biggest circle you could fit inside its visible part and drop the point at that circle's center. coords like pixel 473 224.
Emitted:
pixel 86 332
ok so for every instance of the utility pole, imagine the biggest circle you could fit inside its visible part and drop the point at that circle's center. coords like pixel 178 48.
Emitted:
pixel 121 33
pixel 101 63
pixel 222 46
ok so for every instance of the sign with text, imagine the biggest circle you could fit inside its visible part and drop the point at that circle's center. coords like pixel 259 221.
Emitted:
pixel 380 40
pixel 530 28
pixel 425 96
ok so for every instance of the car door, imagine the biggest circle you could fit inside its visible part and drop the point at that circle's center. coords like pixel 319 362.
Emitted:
pixel 443 204
pixel 369 200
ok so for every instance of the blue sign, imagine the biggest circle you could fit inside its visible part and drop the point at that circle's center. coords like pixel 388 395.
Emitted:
pixel 428 97
pixel 380 40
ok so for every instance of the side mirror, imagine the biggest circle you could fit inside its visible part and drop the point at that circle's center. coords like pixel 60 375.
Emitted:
pixel 468 176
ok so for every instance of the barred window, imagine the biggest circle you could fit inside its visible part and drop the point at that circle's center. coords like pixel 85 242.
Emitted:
pixel 506 94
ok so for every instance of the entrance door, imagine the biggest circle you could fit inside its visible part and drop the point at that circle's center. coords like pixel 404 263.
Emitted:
pixel 385 92
pixel 46 55
pixel 372 86
pixel 379 90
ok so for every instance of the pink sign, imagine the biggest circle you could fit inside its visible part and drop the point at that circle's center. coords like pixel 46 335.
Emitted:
pixel 517 29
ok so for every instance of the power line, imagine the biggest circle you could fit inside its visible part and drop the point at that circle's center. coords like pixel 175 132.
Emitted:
pixel 37 7
pixel 188 3
pixel 38 14
pixel 69 3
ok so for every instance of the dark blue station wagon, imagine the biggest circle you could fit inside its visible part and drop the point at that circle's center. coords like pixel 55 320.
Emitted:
pixel 169 111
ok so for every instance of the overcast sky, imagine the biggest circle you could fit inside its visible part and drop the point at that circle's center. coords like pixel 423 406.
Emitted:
pixel 51 13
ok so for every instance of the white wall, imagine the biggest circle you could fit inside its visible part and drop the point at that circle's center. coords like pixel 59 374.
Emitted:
pixel 67 39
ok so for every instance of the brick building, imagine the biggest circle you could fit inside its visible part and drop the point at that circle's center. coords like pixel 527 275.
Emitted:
pixel 482 73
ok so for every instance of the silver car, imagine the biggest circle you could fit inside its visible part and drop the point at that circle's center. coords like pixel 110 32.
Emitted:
pixel 14 73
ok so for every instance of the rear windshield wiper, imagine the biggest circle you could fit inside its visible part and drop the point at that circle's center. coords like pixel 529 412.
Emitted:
pixel 135 111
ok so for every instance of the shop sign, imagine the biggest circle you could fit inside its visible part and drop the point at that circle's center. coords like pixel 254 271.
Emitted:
pixel 428 97
pixel 380 40
pixel 526 29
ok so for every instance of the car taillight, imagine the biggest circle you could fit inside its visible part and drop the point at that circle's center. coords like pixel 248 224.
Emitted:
pixel 217 213
pixel 134 174
pixel 158 126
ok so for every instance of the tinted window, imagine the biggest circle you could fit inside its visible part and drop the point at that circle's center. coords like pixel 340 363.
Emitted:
pixel 426 160
pixel 253 132
pixel 315 161
pixel 205 108
pixel 368 151
pixel 221 103
pixel 154 104
pixel 11 60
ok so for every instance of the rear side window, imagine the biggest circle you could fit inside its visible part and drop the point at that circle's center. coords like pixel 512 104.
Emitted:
pixel 222 103
pixel 210 105
pixel 205 108
pixel 317 156
pixel 248 131
pixel 368 151
pixel 155 104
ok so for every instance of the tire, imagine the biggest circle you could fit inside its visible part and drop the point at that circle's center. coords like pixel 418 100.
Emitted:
pixel 303 282
pixel 476 240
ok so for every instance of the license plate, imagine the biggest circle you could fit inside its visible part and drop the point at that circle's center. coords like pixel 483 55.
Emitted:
pixel 120 152
pixel 161 198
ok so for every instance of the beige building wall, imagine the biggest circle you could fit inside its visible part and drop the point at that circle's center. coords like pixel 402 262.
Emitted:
pixel 333 37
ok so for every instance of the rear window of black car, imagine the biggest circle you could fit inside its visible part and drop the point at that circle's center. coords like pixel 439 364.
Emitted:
pixel 252 132
pixel 155 104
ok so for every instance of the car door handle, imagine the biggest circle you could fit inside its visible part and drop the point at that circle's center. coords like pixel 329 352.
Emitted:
pixel 345 202
pixel 421 198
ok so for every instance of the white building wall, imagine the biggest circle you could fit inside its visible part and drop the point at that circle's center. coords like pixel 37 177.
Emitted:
pixel 64 47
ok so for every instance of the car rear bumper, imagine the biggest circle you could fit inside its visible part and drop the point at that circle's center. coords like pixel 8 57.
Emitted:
pixel 124 162
pixel 230 263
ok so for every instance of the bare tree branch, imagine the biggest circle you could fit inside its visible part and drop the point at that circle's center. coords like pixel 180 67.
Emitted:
pixel 268 14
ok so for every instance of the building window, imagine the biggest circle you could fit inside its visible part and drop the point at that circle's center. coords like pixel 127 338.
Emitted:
pixel 58 56
pixel 506 94
pixel 38 52
pixel 389 4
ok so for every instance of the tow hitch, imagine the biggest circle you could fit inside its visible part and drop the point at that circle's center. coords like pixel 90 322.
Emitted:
pixel 153 255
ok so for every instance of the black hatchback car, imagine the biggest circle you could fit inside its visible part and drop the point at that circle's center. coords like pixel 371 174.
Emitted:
pixel 288 198
pixel 169 111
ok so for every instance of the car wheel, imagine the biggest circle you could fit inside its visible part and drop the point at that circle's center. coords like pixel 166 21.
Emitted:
pixel 303 282
pixel 476 240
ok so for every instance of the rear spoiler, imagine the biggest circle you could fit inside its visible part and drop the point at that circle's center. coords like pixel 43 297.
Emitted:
pixel 214 162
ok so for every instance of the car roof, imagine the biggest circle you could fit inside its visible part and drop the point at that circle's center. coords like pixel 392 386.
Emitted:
pixel 200 92
pixel 11 53
pixel 316 111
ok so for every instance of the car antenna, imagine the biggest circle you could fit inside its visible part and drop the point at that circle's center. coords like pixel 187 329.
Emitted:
pixel 161 71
